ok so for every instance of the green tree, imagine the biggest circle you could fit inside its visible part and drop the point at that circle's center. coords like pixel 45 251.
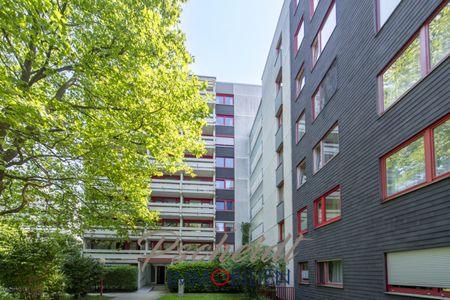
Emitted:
pixel 90 89
pixel 81 274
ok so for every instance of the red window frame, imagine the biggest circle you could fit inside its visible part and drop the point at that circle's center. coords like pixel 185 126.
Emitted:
pixel 299 185
pixel 281 232
pixel 225 183
pixel 225 229
pixel 430 164
pixel 298 43
pixel 298 87
pixel 225 95
pixel 225 136
pixel 225 162
pixel 425 60
pixel 225 201
pixel 301 267
pixel 225 118
pixel 299 229
pixel 326 274
pixel 322 200
pixel 297 125
pixel 318 37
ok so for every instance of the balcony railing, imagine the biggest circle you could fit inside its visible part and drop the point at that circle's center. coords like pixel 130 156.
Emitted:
pixel 177 209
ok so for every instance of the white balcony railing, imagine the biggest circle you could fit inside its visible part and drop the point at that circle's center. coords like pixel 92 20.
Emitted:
pixel 176 209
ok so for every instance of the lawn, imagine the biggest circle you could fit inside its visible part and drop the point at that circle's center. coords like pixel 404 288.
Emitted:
pixel 204 297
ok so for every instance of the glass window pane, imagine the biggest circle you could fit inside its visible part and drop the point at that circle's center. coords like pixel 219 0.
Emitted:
pixel 317 158
pixel 220 162
pixel 229 184
pixel 220 205
pixel 220 184
pixel 228 121
pixel 333 205
pixel 329 84
pixel 406 168
pixel 328 27
pixel 315 50
pixel 304 220
pixel 335 271
pixel 321 271
pixel 300 35
pixel 331 144
pixel 220 227
pixel 301 127
pixel 442 148
pixel 386 9
pixel 440 35
pixel 229 100
pixel 229 162
pixel 319 212
pixel 229 205
pixel 402 74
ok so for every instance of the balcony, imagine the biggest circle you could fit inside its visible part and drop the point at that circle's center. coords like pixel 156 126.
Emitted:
pixel 278 102
pixel 183 209
pixel 209 141
pixel 201 166
pixel 211 121
pixel 191 188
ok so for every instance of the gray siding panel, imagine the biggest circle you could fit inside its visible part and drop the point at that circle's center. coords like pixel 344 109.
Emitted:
pixel 368 228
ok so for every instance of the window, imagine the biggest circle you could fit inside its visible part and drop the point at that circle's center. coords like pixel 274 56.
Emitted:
pixel 224 141
pixel 427 48
pixel 324 33
pixel 280 120
pixel 170 223
pixel 198 201
pixel 312 6
pixel 419 272
pixel 299 81
pixel 224 99
pixel 325 91
pixel 225 205
pixel 384 10
pixel 329 273
pixel 197 224
pixel 279 157
pixel 328 208
pixel 279 82
pixel 280 192
pixel 298 37
pixel 304 273
pixel 301 174
pixel 300 127
pixel 224 162
pixel 224 120
pixel 224 227
pixel 281 231
pixel 419 161
pixel 326 149
pixel 302 220
pixel 224 184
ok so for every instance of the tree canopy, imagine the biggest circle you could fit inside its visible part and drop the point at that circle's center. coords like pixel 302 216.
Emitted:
pixel 89 90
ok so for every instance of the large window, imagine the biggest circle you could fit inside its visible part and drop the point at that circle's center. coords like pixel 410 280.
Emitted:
pixel 326 149
pixel 419 161
pixel 300 81
pixel 427 48
pixel 298 37
pixel 224 162
pixel 224 99
pixel 422 272
pixel 224 184
pixel 225 205
pixel 302 220
pixel 324 33
pixel 325 91
pixel 384 10
pixel 224 227
pixel 304 273
pixel 330 273
pixel 301 174
pixel 225 120
pixel 327 208
pixel 312 6
pixel 300 127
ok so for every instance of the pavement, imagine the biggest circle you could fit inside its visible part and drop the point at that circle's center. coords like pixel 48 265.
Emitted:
pixel 145 293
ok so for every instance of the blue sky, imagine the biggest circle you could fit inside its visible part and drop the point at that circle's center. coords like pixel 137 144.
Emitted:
pixel 230 39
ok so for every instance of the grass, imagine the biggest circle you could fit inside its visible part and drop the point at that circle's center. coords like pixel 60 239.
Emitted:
pixel 203 297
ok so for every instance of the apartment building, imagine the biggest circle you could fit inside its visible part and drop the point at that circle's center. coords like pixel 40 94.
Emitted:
pixel 271 215
pixel 370 119
pixel 197 210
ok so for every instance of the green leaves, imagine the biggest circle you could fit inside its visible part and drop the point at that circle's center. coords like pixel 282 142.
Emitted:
pixel 88 90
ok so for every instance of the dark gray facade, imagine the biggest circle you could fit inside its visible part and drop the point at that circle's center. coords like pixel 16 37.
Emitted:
pixel 369 228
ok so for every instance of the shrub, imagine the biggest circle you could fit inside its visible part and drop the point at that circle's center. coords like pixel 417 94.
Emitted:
pixel 4 295
pixel 55 286
pixel 120 278
pixel 81 273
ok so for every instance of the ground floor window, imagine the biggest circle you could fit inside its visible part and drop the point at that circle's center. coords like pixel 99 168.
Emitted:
pixel 330 273
pixel 304 273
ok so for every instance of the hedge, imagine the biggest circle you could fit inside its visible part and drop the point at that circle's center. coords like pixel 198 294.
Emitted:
pixel 197 276
pixel 120 278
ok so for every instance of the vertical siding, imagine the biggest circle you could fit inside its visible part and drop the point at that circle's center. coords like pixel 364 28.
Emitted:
pixel 368 228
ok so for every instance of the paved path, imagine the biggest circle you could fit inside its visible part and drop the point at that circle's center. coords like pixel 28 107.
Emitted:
pixel 142 294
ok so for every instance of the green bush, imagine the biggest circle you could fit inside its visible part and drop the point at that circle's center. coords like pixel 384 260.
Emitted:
pixel 4 295
pixel 81 274
pixel 120 278
pixel 55 286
